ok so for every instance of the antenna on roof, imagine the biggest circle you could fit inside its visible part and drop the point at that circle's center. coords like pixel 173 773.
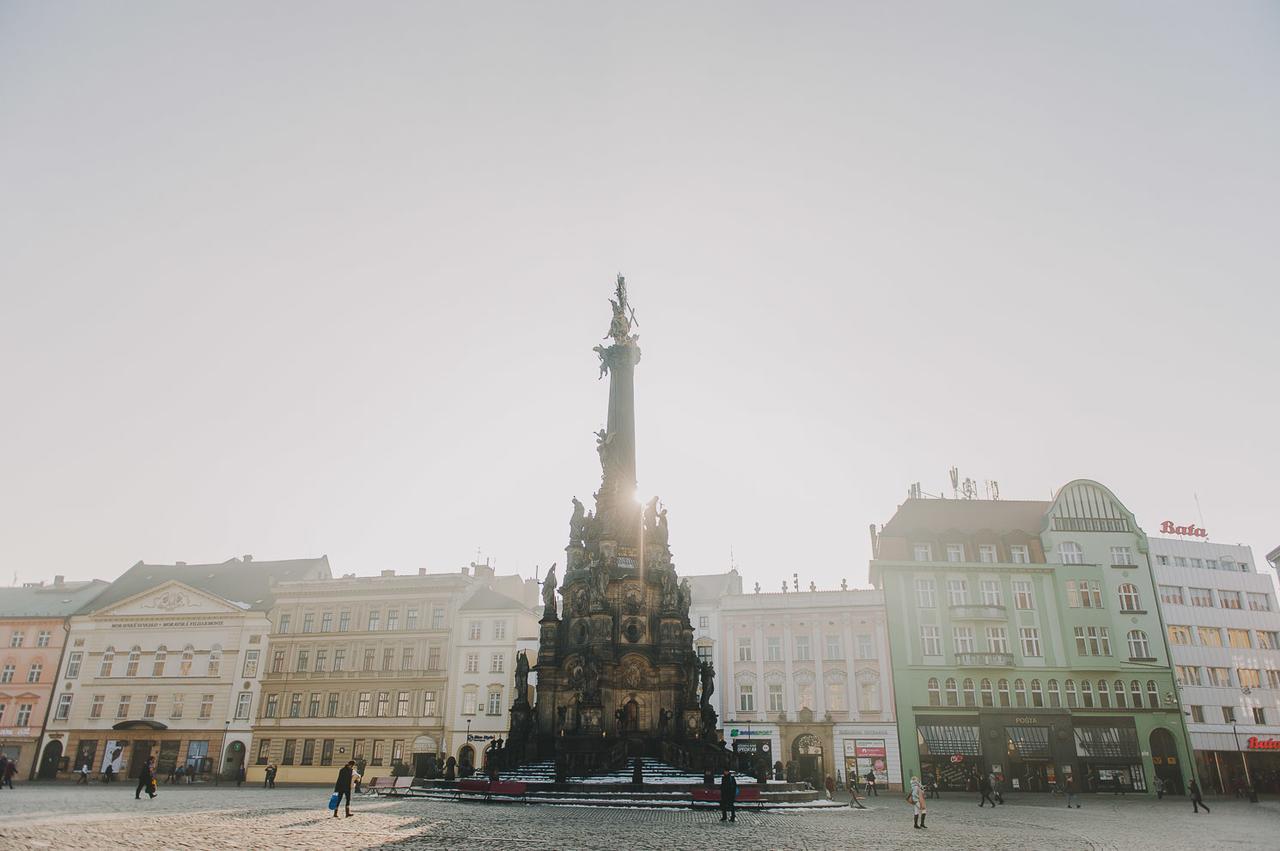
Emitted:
pixel 993 489
pixel 955 481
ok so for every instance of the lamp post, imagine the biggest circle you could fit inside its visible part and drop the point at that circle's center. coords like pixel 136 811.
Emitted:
pixel 1253 793
pixel 468 743
pixel 226 731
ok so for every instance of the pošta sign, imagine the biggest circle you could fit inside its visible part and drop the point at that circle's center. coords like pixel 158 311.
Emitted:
pixel 1192 531
pixel 1256 744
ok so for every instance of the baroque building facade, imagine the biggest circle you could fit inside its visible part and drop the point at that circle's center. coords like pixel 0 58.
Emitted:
pixel 1026 640
pixel 165 663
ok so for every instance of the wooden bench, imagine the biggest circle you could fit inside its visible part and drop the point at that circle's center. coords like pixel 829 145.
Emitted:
pixel 507 788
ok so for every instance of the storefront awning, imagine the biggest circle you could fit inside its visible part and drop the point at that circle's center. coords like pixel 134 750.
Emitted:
pixel 1107 742
pixel 1029 742
pixel 948 739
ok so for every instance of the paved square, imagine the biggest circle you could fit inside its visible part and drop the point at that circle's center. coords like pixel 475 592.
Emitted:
pixel 61 816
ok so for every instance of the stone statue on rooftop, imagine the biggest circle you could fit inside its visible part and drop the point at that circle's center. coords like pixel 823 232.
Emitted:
pixel 549 593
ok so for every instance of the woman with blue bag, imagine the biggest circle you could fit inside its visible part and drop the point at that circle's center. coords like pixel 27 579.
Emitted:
pixel 342 788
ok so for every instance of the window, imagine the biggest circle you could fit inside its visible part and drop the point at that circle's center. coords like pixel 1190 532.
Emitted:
pixel 935 693
pixel 131 667
pixel 1273 678
pixel 34 672
pixel 1002 686
pixel 273 706
pixel 1070 553
pixel 496 663
pixel 773 648
pixel 776 702
pixel 250 664
pixel 410 618
pixel 803 652
pixel 331 705
pixel 344 620
pixel 429 704
pixel 1239 638
pixel 1055 696
pixel 1121 555
pixel 64 707
pixel 1022 597
pixel 1211 563
pixel 1197 714
pixel 326 622
pixel 1202 597
pixel 1171 594
pixel 926 593
pixel 1129 601
pixel 437 618
pixel 277 661
pixel 214 665
pixel 1228 714
pixel 1177 634
pixel 243 701
pixel 931 641
pixel 384 699
pixel 953 693
pixel 1228 564
pixel 987 553
pixel 1030 637
pixel 1179 561
pixel 313 705
pixel 42 638
pixel 375 617
pixel 1259 602
pixel 997 639
pixel 379 748
pixel 393 619
pixel 339 660
pixel 188 657
pixel 922 552
pixel 1086 694
pixel 402 704
pixel 991 593
pixel 388 655
pixel 406 659
pixel 295 705
pixel 7 675
pixel 1104 694
pixel 326 752
pixel 290 746
pixel 1153 696
pixel 1268 639
pixel 866 647
pixel 1090 594
pixel 955 552
pixel 473 630
pixel 1220 677
pixel 1019 693
pixel 1229 599
pixel 1210 636
pixel 95 708
pixel 264 752
pixel 108 656
pixel 73 664
pixel 433 658
pixel 1019 554
pixel 1188 675
pixel 970 694
pixel 1138 646
pixel 473 663
pixel 1037 693
pixel 744 649
pixel 309 622
pixel 469 702
pixel 704 622
pixel 175 709
pixel 1259 716
pixel 149 705
pixel 304 658
pixel 962 638
pixel 988 695
pixel 495 702
pixel 499 630
pixel 746 698
pixel 122 708
pixel 1135 692
pixel 322 659
pixel 834 648
pixel 24 714
pixel 362 705
pixel 1120 698
pixel 369 653
pixel 1195 562
pixel 957 592
pixel 1249 677
pixel 1164 560
pixel 283 628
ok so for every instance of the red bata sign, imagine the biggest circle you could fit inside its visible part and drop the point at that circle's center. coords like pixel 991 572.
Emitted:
pixel 1168 528
pixel 1256 744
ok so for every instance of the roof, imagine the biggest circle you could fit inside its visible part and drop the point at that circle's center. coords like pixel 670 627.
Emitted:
pixel 967 515
pixel 49 601
pixel 486 599
pixel 710 587
pixel 235 580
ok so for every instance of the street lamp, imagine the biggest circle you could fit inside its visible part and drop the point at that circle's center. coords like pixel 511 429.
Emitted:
pixel 1253 793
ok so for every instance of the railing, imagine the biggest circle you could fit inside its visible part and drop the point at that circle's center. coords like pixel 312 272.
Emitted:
pixel 984 660
pixel 966 611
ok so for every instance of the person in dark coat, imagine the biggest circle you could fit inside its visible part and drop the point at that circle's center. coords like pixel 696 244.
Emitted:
pixel 146 776
pixel 984 786
pixel 1197 800
pixel 343 786
pixel 637 772
pixel 728 796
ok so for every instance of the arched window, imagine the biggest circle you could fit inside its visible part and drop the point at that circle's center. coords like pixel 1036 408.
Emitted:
pixel 953 694
pixel 1086 694
pixel 108 656
pixel 1055 696
pixel 1135 691
pixel 1119 689
pixel 1070 553
pixel 1037 696
pixel 188 656
pixel 1129 601
pixel 131 668
pixel 970 696
pixel 988 696
pixel 1153 696
pixel 1019 693
pixel 1003 687
pixel 1138 646
pixel 157 666
pixel 1104 695
pixel 215 660
pixel 1070 688
pixel 935 694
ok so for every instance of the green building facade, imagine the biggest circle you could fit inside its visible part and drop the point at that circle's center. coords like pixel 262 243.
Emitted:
pixel 1026 641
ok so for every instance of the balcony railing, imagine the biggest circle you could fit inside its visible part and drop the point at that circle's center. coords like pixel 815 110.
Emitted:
pixel 966 611
pixel 984 660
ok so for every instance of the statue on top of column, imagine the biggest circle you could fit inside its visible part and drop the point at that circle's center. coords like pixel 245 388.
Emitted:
pixel 624 316
pixel 577 524
pixel 549 594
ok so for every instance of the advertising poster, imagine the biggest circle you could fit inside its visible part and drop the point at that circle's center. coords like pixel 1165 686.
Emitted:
pixel 113 756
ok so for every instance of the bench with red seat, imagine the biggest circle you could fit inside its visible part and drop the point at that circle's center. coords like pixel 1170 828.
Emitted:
pixel 513 788
pixel 711 794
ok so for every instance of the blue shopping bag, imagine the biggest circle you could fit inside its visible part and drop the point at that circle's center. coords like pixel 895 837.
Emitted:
pixel 333 801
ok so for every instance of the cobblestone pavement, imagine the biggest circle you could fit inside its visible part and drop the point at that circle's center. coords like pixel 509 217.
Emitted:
pixel 59 816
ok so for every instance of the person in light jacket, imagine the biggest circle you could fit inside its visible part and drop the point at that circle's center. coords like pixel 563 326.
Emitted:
pixel 916 797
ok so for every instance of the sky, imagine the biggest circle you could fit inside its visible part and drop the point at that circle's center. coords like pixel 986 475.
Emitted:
pixel 309 278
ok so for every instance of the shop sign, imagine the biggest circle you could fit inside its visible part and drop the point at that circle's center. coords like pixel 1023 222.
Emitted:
pixel 1191 531
pixel 1256 744
pixel 479 737
pixel 957 758
pixel 869 750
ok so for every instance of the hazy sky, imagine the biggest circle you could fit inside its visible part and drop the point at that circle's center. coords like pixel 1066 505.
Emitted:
pixel 301 278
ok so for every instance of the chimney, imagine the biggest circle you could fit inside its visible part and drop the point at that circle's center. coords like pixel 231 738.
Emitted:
pixel 59 580
pixel 180 564
pixel 246 558
pixel 422 571
pixel 466 571
pixel 386 573
pixel 483 570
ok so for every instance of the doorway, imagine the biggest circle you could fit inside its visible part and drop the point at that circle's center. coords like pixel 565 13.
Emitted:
pixel 806 750
pixel 138 757
pixel 233 761
pixel 49 762
pixel 1164 757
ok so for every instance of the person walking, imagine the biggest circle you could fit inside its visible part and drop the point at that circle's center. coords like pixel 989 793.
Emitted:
pixel 84 775
pixel 109 773
pixel 1197 800
pixel 831 788
pixel 995 786
pixel 728 796
pixel 271 776
pixel 343 786
pixel 239 776
pixel 871 783
pixel 146 777
pixel 984 786
pixel 9 769
pixel 1070 785
pixel 916 798
pixel 1159 784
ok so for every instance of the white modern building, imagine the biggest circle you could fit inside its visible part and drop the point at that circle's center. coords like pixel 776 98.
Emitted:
pixel 1223 624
